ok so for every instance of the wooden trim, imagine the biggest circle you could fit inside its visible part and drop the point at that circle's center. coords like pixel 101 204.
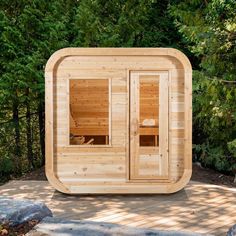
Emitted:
pixel 163 119
pixel 49 139
pixel 109 108
pixel 68 111
pixel 169 119
pixel 65 52
pixel 110 111
pixel 134 141
pixel 127 143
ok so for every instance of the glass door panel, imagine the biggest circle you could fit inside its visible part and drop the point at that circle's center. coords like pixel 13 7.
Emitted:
pixel 149 125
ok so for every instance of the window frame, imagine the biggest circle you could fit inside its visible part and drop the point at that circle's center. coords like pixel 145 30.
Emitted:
pixel 109 113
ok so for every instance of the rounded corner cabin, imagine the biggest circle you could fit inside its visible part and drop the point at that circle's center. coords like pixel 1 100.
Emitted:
pixel 118 120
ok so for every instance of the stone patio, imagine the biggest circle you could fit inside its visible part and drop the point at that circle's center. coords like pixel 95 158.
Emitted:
pixel 199 208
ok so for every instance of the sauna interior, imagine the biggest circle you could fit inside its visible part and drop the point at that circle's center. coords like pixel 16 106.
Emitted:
pixel 89 111
pixel 118 120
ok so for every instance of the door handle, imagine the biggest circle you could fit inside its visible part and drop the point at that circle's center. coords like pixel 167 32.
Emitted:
pixel 135 126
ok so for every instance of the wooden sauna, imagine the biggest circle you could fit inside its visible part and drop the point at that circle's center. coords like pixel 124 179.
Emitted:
pixel 118 120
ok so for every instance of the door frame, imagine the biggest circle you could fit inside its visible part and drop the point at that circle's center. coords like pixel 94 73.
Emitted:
pixel 130 171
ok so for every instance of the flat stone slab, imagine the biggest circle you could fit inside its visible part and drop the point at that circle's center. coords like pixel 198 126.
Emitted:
pixel 232 231
pixel 17 212
pixel 61 227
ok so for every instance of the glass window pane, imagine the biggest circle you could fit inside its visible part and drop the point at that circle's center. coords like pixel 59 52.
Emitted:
pixel 148 111
pixel 89 111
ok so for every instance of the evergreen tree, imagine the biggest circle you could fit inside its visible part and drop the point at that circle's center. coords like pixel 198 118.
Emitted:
pixel 30 32
pixel 125 23
pixel 209 27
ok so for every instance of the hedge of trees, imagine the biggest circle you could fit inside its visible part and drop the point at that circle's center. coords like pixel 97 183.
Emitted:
pixel 31 30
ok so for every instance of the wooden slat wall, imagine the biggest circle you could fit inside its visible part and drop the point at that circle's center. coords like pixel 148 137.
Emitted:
pixel 75 166
pixel 149 98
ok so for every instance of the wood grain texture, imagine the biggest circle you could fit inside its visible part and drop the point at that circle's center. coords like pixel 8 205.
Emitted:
pixel 107 168
pixel 209 209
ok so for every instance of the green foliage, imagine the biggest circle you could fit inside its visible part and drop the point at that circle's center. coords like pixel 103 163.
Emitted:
pixel 213 156
pixel 6 166
pixel 109 23
pixel 31 30
pixel 232 147
pixel 120 23
pixel 232 150
pixel 214 109
pixel 209 28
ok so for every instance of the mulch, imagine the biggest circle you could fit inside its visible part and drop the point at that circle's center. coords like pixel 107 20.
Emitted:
pixel 19 230
pixel 209 176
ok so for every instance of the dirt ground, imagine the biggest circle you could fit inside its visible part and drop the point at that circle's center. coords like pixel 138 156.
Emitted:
pixel 199 174
pixel 19 230
pixel 210 176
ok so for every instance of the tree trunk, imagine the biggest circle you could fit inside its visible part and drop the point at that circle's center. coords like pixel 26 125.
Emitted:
pixel 29 133
pixel 41 117
pixel 17 149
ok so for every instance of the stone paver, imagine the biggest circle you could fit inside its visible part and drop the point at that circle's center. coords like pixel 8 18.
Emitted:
pixel 232 231
pixel 61 227
pixel 200 208
pixel 15 212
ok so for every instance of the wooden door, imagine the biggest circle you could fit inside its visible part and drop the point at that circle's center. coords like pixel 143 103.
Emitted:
pixel 149 101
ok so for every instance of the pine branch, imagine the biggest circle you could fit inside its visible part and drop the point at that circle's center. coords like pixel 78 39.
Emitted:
pixel 224 81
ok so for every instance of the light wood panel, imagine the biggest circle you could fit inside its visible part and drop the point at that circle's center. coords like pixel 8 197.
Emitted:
pixel 115 64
